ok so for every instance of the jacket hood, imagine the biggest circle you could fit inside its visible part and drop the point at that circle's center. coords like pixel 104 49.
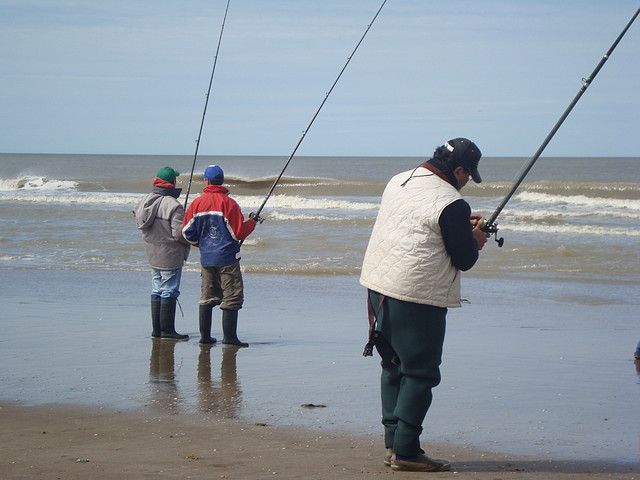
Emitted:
pixel 146 211
pixel 170 191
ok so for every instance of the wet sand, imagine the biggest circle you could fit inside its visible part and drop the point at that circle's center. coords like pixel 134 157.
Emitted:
pixel 70 443
pixel 545 395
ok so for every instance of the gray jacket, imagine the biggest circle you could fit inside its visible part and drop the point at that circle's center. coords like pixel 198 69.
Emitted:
pixel 159 215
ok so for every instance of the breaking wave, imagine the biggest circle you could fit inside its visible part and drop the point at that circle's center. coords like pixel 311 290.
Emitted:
pixel 579 200
pixel 245 201
pixel 35 183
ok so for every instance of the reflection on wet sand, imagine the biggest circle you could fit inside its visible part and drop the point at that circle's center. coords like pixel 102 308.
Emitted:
pixel 221 395
pixel 162 376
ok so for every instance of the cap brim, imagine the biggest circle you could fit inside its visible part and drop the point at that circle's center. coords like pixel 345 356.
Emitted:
pixel 475 175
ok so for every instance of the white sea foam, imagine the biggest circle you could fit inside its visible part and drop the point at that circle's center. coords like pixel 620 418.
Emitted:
pixel 296 202
pixel 352 218
pixel 245 201
pixel 579 200
pixel 276 215
pixel 558 215
pixel 35 183
pixel 553 186
pixel 75 198
pixel 572 229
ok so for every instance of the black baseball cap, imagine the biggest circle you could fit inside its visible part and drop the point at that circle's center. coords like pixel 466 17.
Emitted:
pixel 467 154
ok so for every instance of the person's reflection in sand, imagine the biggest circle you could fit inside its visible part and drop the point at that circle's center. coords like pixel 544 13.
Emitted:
pixel 221 397
pixel 162 376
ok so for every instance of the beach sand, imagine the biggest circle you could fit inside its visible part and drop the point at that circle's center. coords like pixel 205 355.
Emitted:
pixel 545 396
pixel 62 442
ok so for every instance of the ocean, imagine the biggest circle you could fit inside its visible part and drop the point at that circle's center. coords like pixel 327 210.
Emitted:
pixel 572 219
pixel 538 361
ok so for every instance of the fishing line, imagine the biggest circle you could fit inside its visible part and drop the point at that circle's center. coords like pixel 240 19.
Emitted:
pixel 206 103
pixel 490 226
pixel 304 132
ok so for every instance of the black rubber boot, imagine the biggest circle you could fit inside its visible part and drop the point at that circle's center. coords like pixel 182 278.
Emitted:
pixel 205 325
pixel 168 320
pixel 155 316
pixel 229 329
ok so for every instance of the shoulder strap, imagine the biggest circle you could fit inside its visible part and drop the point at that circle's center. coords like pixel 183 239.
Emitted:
pixel 373 333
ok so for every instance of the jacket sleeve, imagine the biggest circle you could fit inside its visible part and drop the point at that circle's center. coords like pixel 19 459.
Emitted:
pixel 177 218
pixel 189 227
pixel 235 219
pixel 455 226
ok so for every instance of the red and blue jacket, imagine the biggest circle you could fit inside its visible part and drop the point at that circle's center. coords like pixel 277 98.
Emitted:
pixel 214 223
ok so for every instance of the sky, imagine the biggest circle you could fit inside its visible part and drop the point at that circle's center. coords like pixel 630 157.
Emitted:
pixel 131 76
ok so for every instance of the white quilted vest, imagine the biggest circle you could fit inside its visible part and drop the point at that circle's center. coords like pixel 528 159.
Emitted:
pixel 406 258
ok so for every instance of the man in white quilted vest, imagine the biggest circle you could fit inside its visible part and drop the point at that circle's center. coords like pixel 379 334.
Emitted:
pixel 424 235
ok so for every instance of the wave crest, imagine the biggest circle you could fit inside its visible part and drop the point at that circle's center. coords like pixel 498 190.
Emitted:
pixel 579 200
pixel 35 183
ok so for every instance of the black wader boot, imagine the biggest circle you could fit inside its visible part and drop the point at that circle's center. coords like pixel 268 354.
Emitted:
pixel 168 320
pixel 205 325
pixel 229 329
pixel 155 316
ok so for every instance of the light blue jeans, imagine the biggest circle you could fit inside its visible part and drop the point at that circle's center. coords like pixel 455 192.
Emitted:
pixel 166 283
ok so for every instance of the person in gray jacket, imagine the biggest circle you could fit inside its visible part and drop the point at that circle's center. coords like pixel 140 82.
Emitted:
pixel 159 216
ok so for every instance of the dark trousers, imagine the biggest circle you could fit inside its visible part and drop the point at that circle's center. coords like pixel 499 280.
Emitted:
pixel 410 346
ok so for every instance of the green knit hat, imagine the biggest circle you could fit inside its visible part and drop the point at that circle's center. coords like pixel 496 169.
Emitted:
pixel 168 174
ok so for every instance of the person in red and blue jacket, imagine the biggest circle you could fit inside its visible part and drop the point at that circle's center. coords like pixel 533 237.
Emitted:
pixel 215 224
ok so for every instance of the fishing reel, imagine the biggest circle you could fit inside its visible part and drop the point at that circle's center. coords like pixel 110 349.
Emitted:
pixel 256 217
pixel 492 228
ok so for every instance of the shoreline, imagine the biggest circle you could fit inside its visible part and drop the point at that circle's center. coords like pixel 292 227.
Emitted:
pixel 46 441
pixel 75 344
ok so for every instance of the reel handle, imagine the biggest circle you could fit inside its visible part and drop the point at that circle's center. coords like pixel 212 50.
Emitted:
pixel 492 229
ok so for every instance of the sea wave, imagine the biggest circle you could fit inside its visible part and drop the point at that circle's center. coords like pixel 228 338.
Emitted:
pixel 588 189
pixel 245 201
pixel 579 200
pixel 77 198
pixel 297 202
pixel 41 182
pixel 267 181
pixel 313 268
pixel 549 215
pixel 343 218
pixel 35 183
pixel 571 229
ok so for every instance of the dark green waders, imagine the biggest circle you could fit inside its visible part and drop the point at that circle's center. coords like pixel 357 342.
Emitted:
pixel 410 346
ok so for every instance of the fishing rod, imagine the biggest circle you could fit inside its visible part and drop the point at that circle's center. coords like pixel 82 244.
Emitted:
pixel 304 132
pixel 489 225
pixel 206 103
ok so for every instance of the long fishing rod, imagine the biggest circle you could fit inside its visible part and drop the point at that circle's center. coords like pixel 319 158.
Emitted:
pixel 490 226
pixel 206 103
pixel 304 132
